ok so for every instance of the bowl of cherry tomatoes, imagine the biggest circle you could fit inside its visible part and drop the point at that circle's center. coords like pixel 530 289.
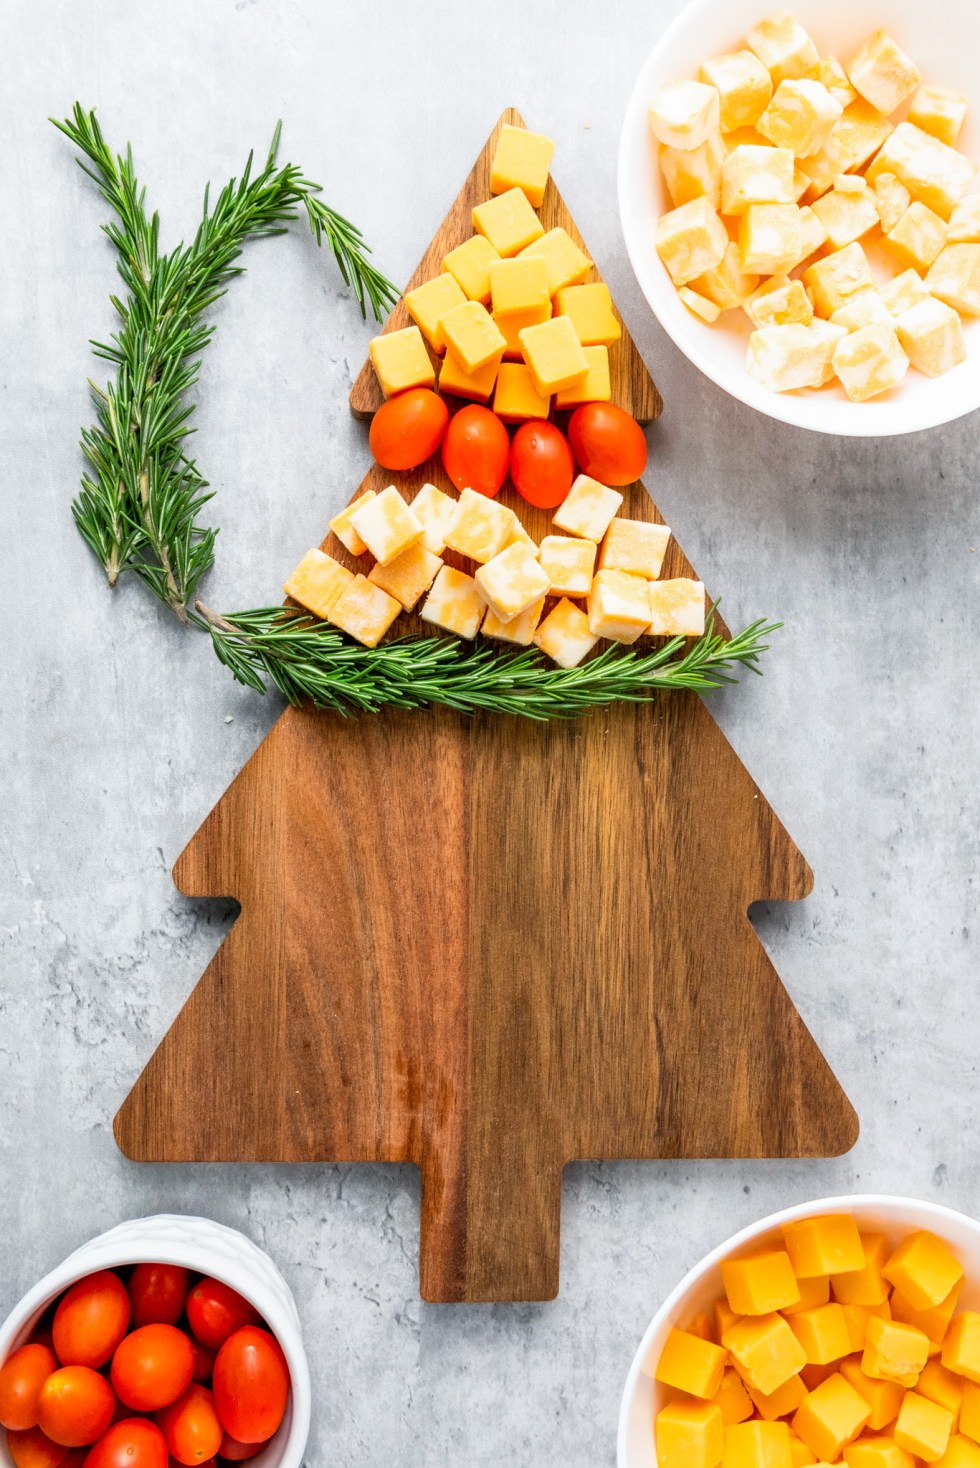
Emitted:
pixel 166 1341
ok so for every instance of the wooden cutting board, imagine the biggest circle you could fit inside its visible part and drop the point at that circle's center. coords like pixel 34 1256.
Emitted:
pixel 491 947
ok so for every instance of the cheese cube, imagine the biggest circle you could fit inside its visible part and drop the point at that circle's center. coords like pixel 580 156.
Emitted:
pixel 846 216
pixel 834 77
pixel 408 575
pixel 801 183
pixel 822 1332
pixel 864 308
pixel 784 358
pixel 903 292
pixel 939 112
pixel 590 310
pixel 387 525
pixel 961 1453
pixel 783 46
pixel 700 305
pixel 344 530
pixel 566 263
pixel 636 546
pixel 454 603
pixel 472 336
pixel 877 1452
pixel 757 1445
pixel 955 278
pixel 883 1397
pixel 596 385
pixel 933 172
pixel 917 238
pixel 964 222
pixel 732 1399
pixel 469 265
pixel 512 326
pixel 724 1318
pixel 518 285
pixel 480 528
pixel 401 361
pixel 961 1348
pixel 800 116
pixel 756 175
pixel 516 399
pixel 691 1365
pixel 831 280
pixel 894 1351
pixel 923 1269
pixel 779 301
pixel 800 1455
pixel 435 510
pixel 684 114
pixel 882 73
pixel 428 303
pixel 677 609
pixel 769 238
pixel 587 509
pixel 701 1324
pixel 831 1417
pixel 780 1403
pixel 475 386
pixel 759 1283
pixel 865 1285
pixel 934 1322
pixel 858 1317
pixel 689 1435
pixel 923 1427
pixel 554 354
pixel 318 582
pixel 744 88
pixel 518 535
pixel 569 564
pixel 565 635
pixel 855 136
pixel 932 337
pixel 813 1292
pixel 518 630
pixel 892 199
pixel 696 173
pixel 619 608
pixel 511 582
pixel 508 222
pixel 813 235
pixel 364 611
pixel 522 160
pixel 870 361
pixel 725 284
pixel 970 1411
pixel 941 1386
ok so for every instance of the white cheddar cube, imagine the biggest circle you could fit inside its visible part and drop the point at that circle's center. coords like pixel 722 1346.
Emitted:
pixel 955 278
pixel 857 134
pixel 684 114
pixel 677 608
pixel 865 308
pixel 800 116
pixel 695 173
pixel 846 216
pixel 785 358
pixel 700 305
pixel 408 575
pixel 783 47
pixel 931 335
pixel 964 222
pixel 835 277
pixel 435 510
pixel 917 238
pixel 386 525
pixel 827 335
pixel 756 174
pixel 512 581
pixel 725 285
pixel 813 235
pixel 619 606
pixel 636 546
pixel 568 563
pixel 690 240
pixel 769 238
pixel 318 583
pixel 779 301
pixel 364 611
pixel 933 172
pixel 744 88
pixel 480 528
pixel 903 292
pixel 834 77
pixel 938 112
pixel 892 199
pixel 454 603
pixel 565 636
pixel 870 361
pixel 587 509
pixel 519 630
pixel 344 530
pixel 882 72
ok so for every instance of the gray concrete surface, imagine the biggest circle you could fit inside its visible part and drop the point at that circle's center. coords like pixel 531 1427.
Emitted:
pixel 120 731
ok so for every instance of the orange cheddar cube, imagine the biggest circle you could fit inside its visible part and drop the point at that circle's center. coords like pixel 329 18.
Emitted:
pixel 318 583
pixel 962 1452
pixel 508 222
pixel 763 1347
pixel 813 1292
pixel 408 575
pixel 923 1270
pixel 894 1352
pixel 866 1285
pixel 475 386
pixel 364 611
pixel 510 328
pixel 884 1398
pixel 701 1324
pixel 877 1452
pixel 970 1411
pixel 387 525
pixel 454 603
pixel 961 1348
pixel 780 1403
pixel 827 1244
pixel 401 361
pixel 757 1445
pixel 822 1332
pixel 566 263
pixel 691 1365
pixel 942 1386
pixel 760 1283
pixel 857 1317
pixel 812 1376
pixel 595 386
pixel 725 1316
pixel 428 303
pixel 469 265
pixel 923 1427
pixel 831 1417
pixel 522 160
pixel 689 1435
pixel 516 398
pixel 344 530
pixel 731 1398
pixel 565 635
pixel 800 1455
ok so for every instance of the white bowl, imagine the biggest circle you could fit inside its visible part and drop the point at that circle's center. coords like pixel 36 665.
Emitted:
pixel 206 1248
pixel 643 1397
pixel 945 44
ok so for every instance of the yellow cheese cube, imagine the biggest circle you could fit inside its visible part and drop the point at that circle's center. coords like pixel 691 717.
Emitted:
pixel 801 183
pixel 785 358
pixel 961 1453
pixel 883 1397
pixel 822 1332
pixel 955 278
pixel 935 1320
pixel 512 326
pixel 695 173
pixel 754 174
pixel 518 630
pixel 759 1283
pixel 587 509
pixel 744 88
pixel 783 46
pixel 892 199
pixel 518 535
pixel 677 608
pixel 469 265
pixel 870 361
pixel 699 305
pixel 636 546
pixel 813 1292
pixel 569 564
pixel 763 1348
pixel 725 1317
pixel 855 136
pixel 619 608
pixel 517 398
pixel 554 354
pixel 472 336
pixel 932 172
pixel 964 222
pixel 318 582
pixel 865 1285
pixel 757 1445
pixel 566 263
pixel 518 285
pixel 877 1452
pixel 813 236
pixel 857 1317
pixel 831 1417
pixel 970 1411
pixel 521 160
pixel 939 112
pixel 917 238
pixel 942 1386
pixel 894 1351
pixel 834 77
pixel 435 510
pixel 923 1427
pixel 779 301
pixel 846 216
pixel 800 1454
pixel 725 285
pixel 814 1376
pixel 780 1403
pixel 769 238
pixel 800 116
pixel 428 303
pixel 454 603
pixel 932 337
pixel 691 1365
pixel 508 222
pixel 683 114
pixel 831 280
pixel 364 611
pixel 408 575
pixel 565 635
pixel 865 308
pixel 509 583
pixel 401 361
pixel 689 1435
pixel 387 525
pixel 475 386
pixel 596 385
pixel 901 294
pixel 480 528
pixel 732 1399
pixel 590 310
pixel 344 530
pixel 882 72
pixel 923 1269
pixel 961 1348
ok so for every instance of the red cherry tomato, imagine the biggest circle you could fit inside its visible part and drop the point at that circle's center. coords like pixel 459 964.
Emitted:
pixel 236 1452
pixel 608 443
pixel 132 1443
pixel 91 1320
pixel 157 1294
pixel 21 1379
pixel 408 428
pixel 192 1427
pixel 152 1367
pixel 75 1407
pixel 541 464
pixel 203 1362
pixel 214 1310
pixel 31 1449
pixel 475 450
pixel 251 1384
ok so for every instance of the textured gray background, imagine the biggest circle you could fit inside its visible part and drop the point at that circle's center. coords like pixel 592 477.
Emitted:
pixel 116 739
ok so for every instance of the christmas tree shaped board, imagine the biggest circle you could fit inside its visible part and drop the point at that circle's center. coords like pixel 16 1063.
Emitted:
pixel 490 947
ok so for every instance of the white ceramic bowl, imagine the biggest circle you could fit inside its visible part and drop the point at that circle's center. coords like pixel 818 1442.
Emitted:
pixel 643 1397
pixel 945 44
pixel 206 1248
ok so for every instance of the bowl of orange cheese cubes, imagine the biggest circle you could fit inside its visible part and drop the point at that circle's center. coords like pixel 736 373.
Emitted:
pixel 842 1331
pixel 801 205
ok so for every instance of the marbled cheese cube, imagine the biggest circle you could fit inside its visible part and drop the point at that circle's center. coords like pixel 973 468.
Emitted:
pixel 756 175
pixel 864 308
pixel 587 509
pixel 476 386
pixel 566 263
pixel 892 199
pixel 564 635
pixel 508 222
pixel 964 222
pixel 882 72
pixel 695 174
pixel 519 536
pixel 744 88
pixel 435 510
pixel 785 358
pixel 917 238
pixel 512 326
pixel 568 563
pixel 519 630
pixel 955 278
pixel 595 386
pixel 725 285
pixel 691 240
pixel 472 335
pixel 826 336
pixel 454 603
pixel 387 525
pixel 619 606
pixel 522 160
pixel 516 399
pixel 931 335
pixel 846 216
pixel 800 116
pixel 783 47
pixel 932 172
pixel 700 305
pixel 831 280
pixel 428 303
pixel 318 583
pixel 344 530
pixel 813 235
pixel 517 285
pixel 801 183
pixel 512 581
pixel 903 292
pixel 364 611
pixel 590 310
pixel 834 77
pixel 401 361
pixel 677 608
pixel 408 575
pixel 855 136
pixel 870 361
pixel 480 528
pixel 769 238
pixel 469 265
pixel 779 301
pixel 684 114
pixel 554 354
pixel 939 112
pixel 636 546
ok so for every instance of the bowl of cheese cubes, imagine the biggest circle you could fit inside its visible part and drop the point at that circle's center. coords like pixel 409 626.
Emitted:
pixel 800 202
pixel 841 1331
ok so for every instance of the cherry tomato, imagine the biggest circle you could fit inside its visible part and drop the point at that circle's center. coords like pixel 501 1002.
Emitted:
pixel 31 1449
pixel 91 1320
pixel 237 1452
pixel 251 1384
pixel 408 428
pixel 475 450
pixel 203 1362
pixel 192 1427
pixel 76 1406
pixel 541 464
pixel 152 1367
pixel 214 1310
pixel 132 1443
pixel 157 1294
pixel 21 1379
pixel 608 443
